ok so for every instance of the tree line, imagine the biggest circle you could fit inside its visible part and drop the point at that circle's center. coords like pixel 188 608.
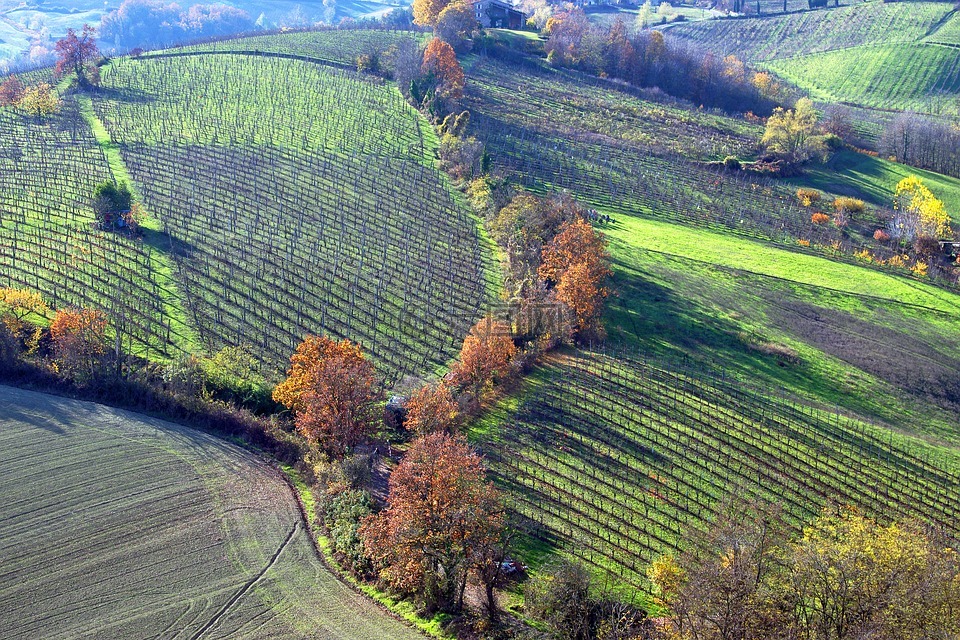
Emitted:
pixel 923 142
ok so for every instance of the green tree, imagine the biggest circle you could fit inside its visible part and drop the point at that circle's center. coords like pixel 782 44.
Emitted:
pixel 790 133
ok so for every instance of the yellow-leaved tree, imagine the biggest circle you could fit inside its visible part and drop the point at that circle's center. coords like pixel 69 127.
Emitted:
pixel 918 213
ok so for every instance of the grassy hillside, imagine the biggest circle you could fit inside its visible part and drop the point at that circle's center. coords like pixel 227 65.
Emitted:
pixel 769 38
pixel 905 77
pixel 791 373
pixel 948 32
pixel 127 527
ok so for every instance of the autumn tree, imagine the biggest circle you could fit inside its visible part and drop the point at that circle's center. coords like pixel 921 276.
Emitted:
pixel 456 24
pixel 427 12
pixel 485 356
pixel 39 100
pixel 576 262
pixel 10 91
pixel 77 53
pixel 331 389
pixel 918 213
pixel 440 512
pixel 431 408
pixel 852 577
pixel 724 587
pixel 440 61
pixel 790 133
pixel 79 341
pixel 16 306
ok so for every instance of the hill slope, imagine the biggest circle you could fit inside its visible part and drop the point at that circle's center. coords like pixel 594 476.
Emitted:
pixel 127 527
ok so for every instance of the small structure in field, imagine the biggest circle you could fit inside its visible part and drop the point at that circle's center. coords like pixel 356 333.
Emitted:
pixel 496 14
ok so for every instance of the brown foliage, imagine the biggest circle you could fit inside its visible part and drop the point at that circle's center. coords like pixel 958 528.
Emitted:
pixel 432 408
pixel 79 340
pixel 441 512
pixel 485 355
pixel 577 262
pixel 440 60
pixel 10 91
pixel 331 387
pixel 819 218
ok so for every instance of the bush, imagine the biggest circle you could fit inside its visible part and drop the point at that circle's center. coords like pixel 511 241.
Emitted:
pixel 807 197
pixel 342 515
pixel 732 163
pixel 881 236
pixel 819 218
pixel 849 205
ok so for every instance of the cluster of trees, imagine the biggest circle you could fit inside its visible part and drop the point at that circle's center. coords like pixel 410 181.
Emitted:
pixel 846 577
pixel 651 59
pixel 554 260
pixel 923 142
pixel 40 99
pixel 154 23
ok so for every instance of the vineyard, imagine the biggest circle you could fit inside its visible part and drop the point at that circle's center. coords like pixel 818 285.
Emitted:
pixel 775 37
pixel 631 156
pixel 947 33
pixel 289 213
pixel 336 47
pixel 48 171
pixel 615 460
pixel 914 77
pixel 127 527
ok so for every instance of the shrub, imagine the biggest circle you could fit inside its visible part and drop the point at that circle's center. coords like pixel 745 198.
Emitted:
pixel 864 255
pixel 849 205
pixel 807 197
pixel 732 163
pixel 920 269
pixel 898 261
pixel 881 236
pixel 803 243
pixel 819 218
pixel 342 514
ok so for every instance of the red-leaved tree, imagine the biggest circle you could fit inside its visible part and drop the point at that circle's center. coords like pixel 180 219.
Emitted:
pixel 77 53
pixel 441 517
pixel 485 356
pixel 10 91
pixel 79 341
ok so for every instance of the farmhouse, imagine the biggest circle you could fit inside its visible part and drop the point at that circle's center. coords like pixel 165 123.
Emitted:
pixel 497 14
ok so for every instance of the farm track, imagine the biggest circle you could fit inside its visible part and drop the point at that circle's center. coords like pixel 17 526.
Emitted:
pixel 123 526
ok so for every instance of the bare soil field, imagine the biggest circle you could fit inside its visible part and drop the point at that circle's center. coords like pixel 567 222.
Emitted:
pixel 116 525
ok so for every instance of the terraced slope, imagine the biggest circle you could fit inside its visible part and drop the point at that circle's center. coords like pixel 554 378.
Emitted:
pixel 114 525
pixel 769 38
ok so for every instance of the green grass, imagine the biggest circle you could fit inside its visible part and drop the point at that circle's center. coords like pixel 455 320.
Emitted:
pixel 129 527
pixel 904 76
pixel 948 32
pixel 861 337
pixel 161 264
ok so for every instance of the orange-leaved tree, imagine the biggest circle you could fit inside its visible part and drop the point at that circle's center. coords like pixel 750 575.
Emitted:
pixel 430 409
pixel 427 12
pixel 331 388
pixel 440 60
pixel 441 515
pixel 577 263
pixel 485 356
pixel 79 340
